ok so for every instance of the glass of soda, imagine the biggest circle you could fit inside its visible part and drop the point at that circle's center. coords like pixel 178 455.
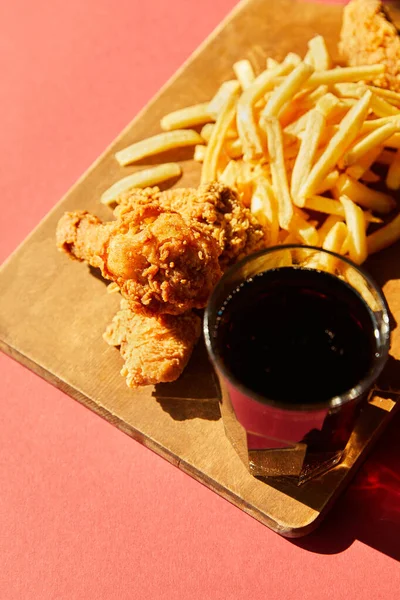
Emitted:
pixel 298 336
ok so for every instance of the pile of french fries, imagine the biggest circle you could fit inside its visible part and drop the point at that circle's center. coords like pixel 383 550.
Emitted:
pixel 299 142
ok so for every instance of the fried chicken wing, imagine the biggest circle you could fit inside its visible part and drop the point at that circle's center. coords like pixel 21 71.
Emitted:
pixel 213 208
pixel 155 349
pixel 160 263
pixel 368 36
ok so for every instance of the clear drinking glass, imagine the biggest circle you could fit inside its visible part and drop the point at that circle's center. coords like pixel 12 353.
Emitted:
pixel 291 436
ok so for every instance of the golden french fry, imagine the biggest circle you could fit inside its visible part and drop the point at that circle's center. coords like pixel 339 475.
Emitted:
pixel 230 174
pixel 304 229
pixel 224 121
pixel 292 58
pixel 199 152
pixel 348 129
pixel 345 74
pixel 247 125
pixel 393 142
pixel 244 73
pixel 234 148
pixel 328 183
pixel 264 206
pixel 327 226
pixel 386 157
pixel 292 84
pixel 278 171
pixel 191 116
pixel 373 139
pixel 357 281
pixel 373 124
pixel 363 164
pixel 333 242
pixel 360 194
pixel 308 148
pixel 141 179
pixel 385 236
pixel 393 175
pixel 328 105
pixel 158 143
pixel 226 90
pixel 388 95
pixel 382 108
pixel 356 227
pixel 333 207
pixel 321 60
pixel 349 90
pixel 206 131
pixel 370 177
pixel 271 63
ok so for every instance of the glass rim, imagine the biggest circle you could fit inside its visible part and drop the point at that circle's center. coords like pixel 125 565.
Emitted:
pixel 354 392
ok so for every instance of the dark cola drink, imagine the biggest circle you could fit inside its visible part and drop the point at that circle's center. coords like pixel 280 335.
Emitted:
pixel 297 338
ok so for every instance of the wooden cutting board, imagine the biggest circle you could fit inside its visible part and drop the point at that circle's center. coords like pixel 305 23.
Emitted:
pixel 53 311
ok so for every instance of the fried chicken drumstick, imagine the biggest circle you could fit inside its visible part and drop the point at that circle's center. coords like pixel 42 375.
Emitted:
pixel 213 208
pixel 160 264
pixel 368 36
pixel 155 349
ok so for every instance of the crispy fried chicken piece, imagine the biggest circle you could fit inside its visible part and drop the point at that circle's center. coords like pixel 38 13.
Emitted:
pixel 368 36
pixel 160 263
pixel 214 208
pixel 155 349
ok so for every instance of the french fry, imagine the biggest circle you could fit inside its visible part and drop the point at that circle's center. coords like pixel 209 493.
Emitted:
pixel 293 82
pixel 264 206
pixel 393 175
pixel 328 105
pixel 226 90
pixel 308 148
pixel 271 63
pixel 348 130
pixel 321 60
pixel 333 207
pixel 304 229
pixel 244 73
pixel 393 141
pixel 292 58
pixel 373 124
pixel 224 121
pixel 327 226
pixel 370 177
pixel 386 157
pixel 385 236
pixel 234 148
pixel 190 116
pixel 345 74
pixel 328 183
pixel 371 199
pixel 230 174
pixel 369 142
pixel 382 108
pixel 388 95
pixel 161 142
pixel 356 228
pixel 206 131
pixel 199 152
pixel 142 179
pixel 278 171
pixel 247 125
pixel 363 164
pixel 333 242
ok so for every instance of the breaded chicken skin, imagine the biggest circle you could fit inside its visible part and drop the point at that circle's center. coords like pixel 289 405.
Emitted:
pixel 368 37
pixel 160 264
pixel 155 349
pixel 213 208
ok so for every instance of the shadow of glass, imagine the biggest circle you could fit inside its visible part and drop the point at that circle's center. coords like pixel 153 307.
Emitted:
pixel 369 511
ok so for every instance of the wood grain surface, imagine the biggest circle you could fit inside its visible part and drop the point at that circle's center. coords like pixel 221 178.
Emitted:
pixel 53 311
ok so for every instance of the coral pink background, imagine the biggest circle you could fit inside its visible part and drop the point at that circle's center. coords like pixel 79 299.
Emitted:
pixel 86 513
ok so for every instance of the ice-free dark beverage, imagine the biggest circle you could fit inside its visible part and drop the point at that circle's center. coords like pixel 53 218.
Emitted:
pixel 295 336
